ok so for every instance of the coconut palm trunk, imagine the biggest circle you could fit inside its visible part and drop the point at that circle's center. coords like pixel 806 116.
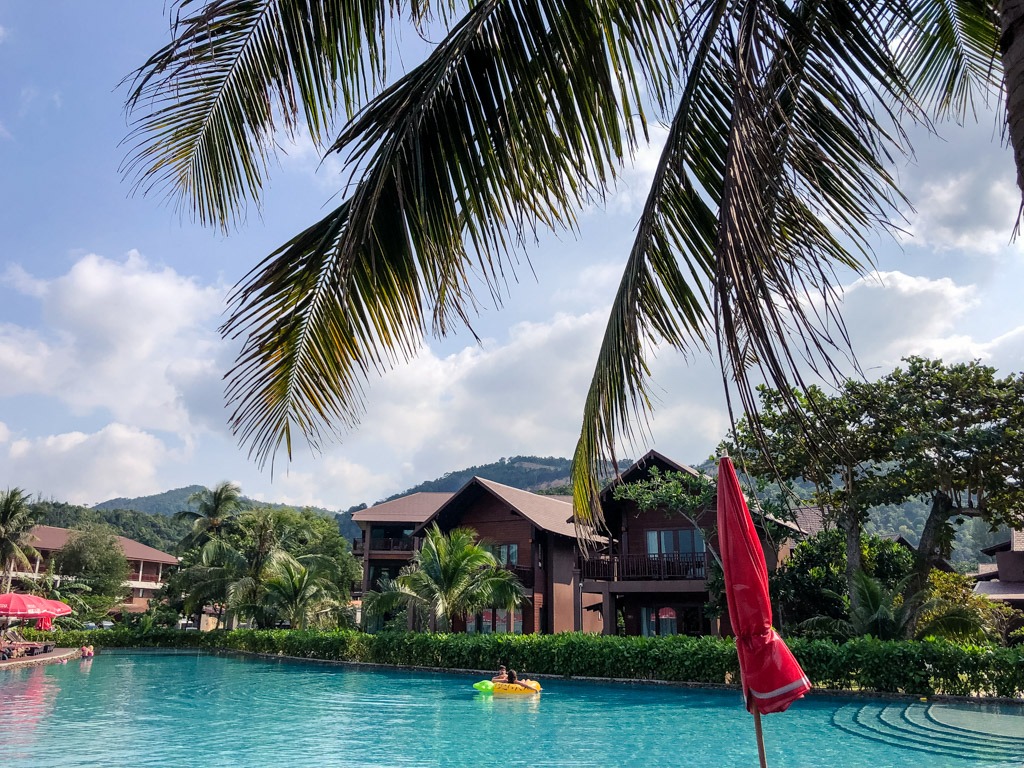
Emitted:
pixel 1011 45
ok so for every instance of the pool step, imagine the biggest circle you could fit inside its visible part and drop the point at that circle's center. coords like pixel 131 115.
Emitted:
pixel 887 724
pixel 925 719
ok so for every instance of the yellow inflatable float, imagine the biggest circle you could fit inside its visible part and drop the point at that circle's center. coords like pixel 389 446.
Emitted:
pixel 523 687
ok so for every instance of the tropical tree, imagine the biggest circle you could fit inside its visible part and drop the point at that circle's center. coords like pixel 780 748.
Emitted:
pixel 214 510
pixel 15 534
pixel 782 119
pixel 452 575
pixel 884 613
pixel 303 594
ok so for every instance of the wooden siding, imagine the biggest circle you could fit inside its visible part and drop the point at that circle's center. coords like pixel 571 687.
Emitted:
pixel 495 523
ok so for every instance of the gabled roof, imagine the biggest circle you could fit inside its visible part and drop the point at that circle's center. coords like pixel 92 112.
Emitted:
pixel 1003 546
pixel 50 538
pixel 549 513
pixel 1001 590
pixel 414 508
pixel 642 466
pixel 810 520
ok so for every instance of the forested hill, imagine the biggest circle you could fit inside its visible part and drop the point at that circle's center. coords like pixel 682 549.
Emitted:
pixel 169 502
pixel 166 503
pixel 528 473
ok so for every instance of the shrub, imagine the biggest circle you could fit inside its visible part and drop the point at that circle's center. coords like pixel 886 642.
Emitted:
pixel 918 668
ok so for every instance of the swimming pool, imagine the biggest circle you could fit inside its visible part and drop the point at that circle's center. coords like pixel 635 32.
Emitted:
pixel 181 709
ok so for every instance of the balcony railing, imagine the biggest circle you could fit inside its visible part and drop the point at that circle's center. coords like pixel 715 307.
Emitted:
pixel 689 565
pixel 523 572
pixel 387 545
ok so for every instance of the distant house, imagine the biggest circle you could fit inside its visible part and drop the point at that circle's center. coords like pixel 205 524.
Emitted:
pixel 652 579
pixel 1004 581
pixel 647 577
pixel 148 566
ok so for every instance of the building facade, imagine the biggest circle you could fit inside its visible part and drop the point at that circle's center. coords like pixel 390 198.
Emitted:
pixel 148 566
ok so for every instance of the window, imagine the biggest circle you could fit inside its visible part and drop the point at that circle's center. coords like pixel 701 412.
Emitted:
pixel 505 554
pixel 658 622
pixel 491 621
pixel 675 541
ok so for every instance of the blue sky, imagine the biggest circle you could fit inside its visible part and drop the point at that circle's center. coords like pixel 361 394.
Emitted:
pixel 111 364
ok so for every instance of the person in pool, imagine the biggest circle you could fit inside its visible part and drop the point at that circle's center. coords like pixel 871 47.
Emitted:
pixel 514 680
pixel 502 676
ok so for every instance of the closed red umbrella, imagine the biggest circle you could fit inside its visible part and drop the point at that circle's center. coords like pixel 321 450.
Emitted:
pixel 771 677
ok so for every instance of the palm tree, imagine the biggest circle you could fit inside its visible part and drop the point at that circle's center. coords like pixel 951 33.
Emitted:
pixel 15 534
pixel 301 593
pixel 887 614
pixel 782 118
pixel 214 510
pixel 449 577
pixel 233 571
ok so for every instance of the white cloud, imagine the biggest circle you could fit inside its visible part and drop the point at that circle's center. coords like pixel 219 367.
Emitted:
pixel 118 336
pixel 21 281
pixel 969 211
pixel 118 460
pixel 3 34
pixel 4 133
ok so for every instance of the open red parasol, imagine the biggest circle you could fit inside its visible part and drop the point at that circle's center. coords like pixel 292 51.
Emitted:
pixel 771 677
pixel 18 606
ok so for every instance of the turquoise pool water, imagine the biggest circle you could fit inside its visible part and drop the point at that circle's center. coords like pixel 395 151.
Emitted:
pixel 165 709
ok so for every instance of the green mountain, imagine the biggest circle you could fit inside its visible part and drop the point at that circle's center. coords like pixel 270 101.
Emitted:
pixel 169 502
pixel 166 503
pixel 528 473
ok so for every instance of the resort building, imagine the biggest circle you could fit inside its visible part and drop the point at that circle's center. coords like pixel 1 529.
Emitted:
pixel 387 543
pixel 648 576
pixel 148 566
pixel 1004 579
pixel 653 577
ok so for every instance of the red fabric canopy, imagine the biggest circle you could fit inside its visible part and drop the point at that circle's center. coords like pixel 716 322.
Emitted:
pixel 772 679
pixel 18 606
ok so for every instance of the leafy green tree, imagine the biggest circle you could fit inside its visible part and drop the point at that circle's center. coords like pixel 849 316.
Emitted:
pixel 15 534
pixel 996 619
pixel 452 575
pixel 782 121
pixel 214 509
pixel 94 555
pixel 956 438
pixel 812 581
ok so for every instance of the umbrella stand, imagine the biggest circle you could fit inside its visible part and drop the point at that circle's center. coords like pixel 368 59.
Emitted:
pixel 760 738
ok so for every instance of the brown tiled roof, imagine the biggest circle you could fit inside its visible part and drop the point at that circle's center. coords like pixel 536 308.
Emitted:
pixel 414 508
pixel 1000 590
pixel 549 513
pixel 811 520
pixel 50 538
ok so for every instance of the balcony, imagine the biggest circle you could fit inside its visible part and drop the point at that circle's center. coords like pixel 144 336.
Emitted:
pixel 676 566
pixel 404 544
pixel 523 572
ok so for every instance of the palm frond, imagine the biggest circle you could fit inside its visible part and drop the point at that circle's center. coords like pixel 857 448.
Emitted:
pixel 208 102
pixel 772 151
pixel 511 124
pixel 950 51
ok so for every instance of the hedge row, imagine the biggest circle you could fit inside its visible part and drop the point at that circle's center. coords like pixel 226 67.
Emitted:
pixel 920 668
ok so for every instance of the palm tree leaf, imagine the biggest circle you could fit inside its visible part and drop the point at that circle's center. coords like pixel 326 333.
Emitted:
pixel 950 51
pixel 512 123
pixel 209 101
pixel 773 148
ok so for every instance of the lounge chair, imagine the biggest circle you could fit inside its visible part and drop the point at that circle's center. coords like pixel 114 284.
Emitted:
pixel 15 640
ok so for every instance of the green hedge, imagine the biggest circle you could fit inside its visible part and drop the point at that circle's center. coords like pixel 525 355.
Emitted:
pixel 920 668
